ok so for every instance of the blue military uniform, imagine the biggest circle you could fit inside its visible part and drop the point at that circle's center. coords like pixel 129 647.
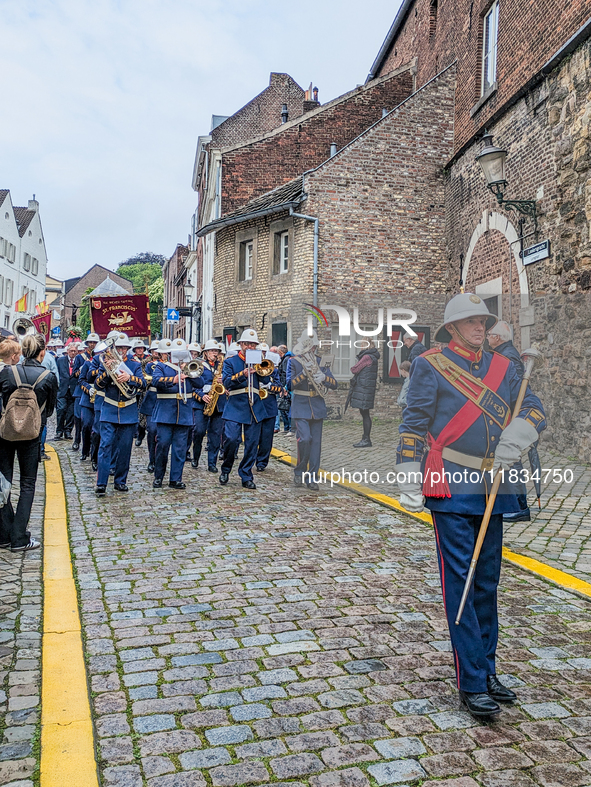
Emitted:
pixel 79 362
pixel 433 403
pixel 240 413
pixel 147 409
pixel 210 424
pixel 268 422
pixel 95 438
pixel 308 409
pixel 173 418
pixel 86 409
pixel 118 421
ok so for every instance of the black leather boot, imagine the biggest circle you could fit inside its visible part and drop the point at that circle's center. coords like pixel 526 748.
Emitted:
pixel 479 704
pixel 498 692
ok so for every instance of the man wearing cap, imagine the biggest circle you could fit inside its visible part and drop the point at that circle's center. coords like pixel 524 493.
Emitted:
pixel 273 387
pixel 173 412
pixel 459 404
pixel 308 408
pixel 243 410
pixel 118 419
pixel 210 424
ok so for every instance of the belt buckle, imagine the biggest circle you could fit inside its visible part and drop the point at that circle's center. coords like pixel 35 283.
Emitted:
pixel 120 404
pixel 487 463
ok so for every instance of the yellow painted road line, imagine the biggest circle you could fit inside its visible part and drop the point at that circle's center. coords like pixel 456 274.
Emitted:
pixel 67 738
pixel 543 570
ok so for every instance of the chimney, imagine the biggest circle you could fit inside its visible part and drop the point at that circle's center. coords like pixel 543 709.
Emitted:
pixel 284 113
pixel 315 93
pixel 33 205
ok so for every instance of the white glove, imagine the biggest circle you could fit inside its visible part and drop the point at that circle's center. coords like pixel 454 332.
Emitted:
pixel 411 494
pixel 320 377
pixel 264 385
pixel 515 439
pixel 206 388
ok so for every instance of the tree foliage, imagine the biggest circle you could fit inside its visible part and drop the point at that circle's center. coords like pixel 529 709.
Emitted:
pixel 144 258
pixel 147 276
pixel 83 315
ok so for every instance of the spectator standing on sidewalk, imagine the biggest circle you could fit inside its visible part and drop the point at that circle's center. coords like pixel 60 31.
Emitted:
pixel 10 353
pixel 363 389
pixel 414 346
pixel 67 387
pixel 13 525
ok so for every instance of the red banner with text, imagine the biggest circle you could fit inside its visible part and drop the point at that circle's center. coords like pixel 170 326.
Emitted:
pixel 127 313
pixel 42 325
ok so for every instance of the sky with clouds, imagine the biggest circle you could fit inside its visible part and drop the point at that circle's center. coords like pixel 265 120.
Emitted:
pixel 103 101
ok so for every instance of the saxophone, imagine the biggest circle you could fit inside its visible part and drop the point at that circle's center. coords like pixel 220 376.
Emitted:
pixel 216 390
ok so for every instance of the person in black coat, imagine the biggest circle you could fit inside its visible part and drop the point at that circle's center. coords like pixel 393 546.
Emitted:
pixel 362 389
pixel 414 346
pixel 67 386
pixel 13 526
pixel 499 339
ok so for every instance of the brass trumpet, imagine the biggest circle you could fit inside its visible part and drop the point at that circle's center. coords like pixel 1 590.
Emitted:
pixel 265 368
pixel 193 368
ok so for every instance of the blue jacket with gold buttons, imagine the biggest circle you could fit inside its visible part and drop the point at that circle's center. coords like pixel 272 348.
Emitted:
pixel 171 407
pixel 433 401
pixel 117 408
pixel 238 406
pixel 306 402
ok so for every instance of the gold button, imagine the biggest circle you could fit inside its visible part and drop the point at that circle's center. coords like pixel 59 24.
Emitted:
pixel 490 420
pixel 476 367
pixel 493 438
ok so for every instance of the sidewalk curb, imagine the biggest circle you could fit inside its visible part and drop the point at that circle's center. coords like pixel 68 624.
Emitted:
pixel 553 575
pixel 67 736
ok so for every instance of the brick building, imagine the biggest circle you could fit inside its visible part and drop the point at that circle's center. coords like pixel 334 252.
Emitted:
pixel 174 272
pixel 75 289
pixel 523 73
pixel 376 227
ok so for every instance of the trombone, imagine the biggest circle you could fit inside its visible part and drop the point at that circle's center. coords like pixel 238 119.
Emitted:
pixel 263 369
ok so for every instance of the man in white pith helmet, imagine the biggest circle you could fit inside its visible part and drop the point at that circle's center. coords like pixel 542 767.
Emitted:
pixel 459 403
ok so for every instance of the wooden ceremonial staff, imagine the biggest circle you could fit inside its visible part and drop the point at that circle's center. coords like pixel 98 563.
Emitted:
pixel 530 357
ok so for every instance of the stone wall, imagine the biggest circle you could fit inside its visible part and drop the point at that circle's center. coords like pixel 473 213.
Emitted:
pixel 549 159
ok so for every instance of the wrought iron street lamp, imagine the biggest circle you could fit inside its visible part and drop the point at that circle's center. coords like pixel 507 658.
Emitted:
pixel 492 161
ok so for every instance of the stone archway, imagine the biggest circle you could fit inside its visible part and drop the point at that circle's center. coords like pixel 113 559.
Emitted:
pixel 493 257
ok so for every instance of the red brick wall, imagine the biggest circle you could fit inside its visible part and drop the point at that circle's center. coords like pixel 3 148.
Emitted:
pixel 529 34
pixel 254 169
pixel 262 114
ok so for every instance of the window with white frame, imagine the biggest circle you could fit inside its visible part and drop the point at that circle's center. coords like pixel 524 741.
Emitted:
pixel 345 356
pixel 1 289
pixel 27 262
pixel 7 320
pixel 490 34
pixel 284 252
pixel 8 292
pixel 11 254
pixel 3 243
pixel 246 260
pixel 34 266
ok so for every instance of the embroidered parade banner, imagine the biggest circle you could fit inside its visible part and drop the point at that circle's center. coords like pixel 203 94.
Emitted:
pixel 42 323
pixel 127 313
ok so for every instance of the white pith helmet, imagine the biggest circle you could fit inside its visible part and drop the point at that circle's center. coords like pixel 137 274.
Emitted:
pixel 461 306
pixel 194 347
pixel 249 335
pixel 211 344
pixel 93 337
pixel 222 348
pixel 264 347
pixel 123 341
pixel 164 346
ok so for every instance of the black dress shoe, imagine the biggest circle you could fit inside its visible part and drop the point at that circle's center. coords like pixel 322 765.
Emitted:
pixel 313 486
pixel 177 485
pixel 83 457
pixel 121 488
pixel 100 489
pixel 249 485
pixel 157 483
pixel 498 692
pixel 224 478
pixel 479 704
pixel 363 443
pixel 520 516
pixel 188 457
pixel 75 446
pixel 138 442
pixel 261 468
pixel 297 481
pixel 212 468
pixel 59 437
pixel 150 468
pixel 94 466
pixel 195 463
pixel 67 436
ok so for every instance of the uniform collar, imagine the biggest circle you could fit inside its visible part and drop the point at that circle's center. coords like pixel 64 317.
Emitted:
pixel 463 352
pixel 242 356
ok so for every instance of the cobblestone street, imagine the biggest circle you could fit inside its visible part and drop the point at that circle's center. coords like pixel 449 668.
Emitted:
pixel 559 534
pixel 285 637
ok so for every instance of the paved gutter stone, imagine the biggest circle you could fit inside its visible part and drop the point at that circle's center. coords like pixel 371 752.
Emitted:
pixel 301 642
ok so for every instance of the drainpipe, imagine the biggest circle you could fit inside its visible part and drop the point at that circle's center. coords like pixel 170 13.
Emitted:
pixel 315 269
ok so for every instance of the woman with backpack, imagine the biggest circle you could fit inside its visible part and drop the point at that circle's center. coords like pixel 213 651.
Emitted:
pixel 29 395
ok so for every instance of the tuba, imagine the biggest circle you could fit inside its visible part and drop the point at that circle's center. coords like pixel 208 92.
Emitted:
pixel 22 327
pixel 307 358
pixel 112 361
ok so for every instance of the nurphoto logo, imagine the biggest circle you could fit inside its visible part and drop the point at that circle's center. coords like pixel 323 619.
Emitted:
pixel 402 318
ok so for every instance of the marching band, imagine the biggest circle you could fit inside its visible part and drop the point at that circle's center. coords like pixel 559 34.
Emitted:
pixel 176 394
